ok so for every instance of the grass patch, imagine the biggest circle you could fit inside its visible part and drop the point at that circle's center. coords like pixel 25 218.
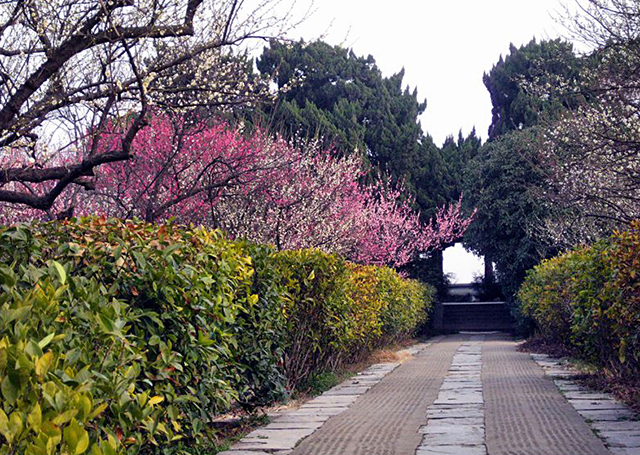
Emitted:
pixel 317 383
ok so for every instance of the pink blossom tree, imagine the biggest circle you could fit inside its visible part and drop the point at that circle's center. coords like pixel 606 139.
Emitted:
pixel 264 189
pixel 268 190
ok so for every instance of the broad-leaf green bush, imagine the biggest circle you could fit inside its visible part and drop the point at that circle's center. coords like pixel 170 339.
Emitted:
pixel 589 300
pixel 338 311
pixel 71 369
pixel 406 304
pixel 121 337
pixel 187 289
pixel 317 311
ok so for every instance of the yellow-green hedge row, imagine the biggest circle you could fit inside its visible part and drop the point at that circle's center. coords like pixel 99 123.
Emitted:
pixel 124 337
pixel 589 299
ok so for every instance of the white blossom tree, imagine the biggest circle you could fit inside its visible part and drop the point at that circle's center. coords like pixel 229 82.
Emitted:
pixel 69 69
pixel 592 152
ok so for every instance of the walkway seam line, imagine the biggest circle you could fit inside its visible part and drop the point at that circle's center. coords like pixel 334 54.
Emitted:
pixel 609 419
pixel 287 430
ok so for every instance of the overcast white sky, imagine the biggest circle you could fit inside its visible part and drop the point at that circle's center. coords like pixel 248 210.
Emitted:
pixel 445 47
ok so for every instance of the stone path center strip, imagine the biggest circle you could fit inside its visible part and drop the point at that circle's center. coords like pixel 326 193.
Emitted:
pixel 455 424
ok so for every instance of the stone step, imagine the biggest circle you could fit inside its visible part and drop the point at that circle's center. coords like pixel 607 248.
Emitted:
pixel 486 316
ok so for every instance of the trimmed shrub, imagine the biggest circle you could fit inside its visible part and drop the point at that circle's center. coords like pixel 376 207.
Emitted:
pixel 407 304
pixel 260 334
pixel 338 311
pixel 316 311
pixel 185 289
pixel 589 300
pixel 121 337
pixel 74 374
pixel 624 292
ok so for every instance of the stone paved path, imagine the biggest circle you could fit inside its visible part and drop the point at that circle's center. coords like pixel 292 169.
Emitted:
pixel 461 395
pixel 525 414
pixel 386 420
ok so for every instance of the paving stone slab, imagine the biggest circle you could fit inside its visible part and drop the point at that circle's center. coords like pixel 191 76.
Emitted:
pixel 451 450
pixel 607 415
pixel 623 450
pixel 456 428
pixel 562 374
pixel 536 355
pixel 460 393
pixel 569 386
pixel 475 368
pixel 319 406
pixel 266 445
pixel 462 399
pixel 269 433
pixel 289 418
pixel 451 439
pixel 595 405
pixel 316 412
pixel 621 425
pixel 303 410
pixel 453 413
pixel 461 383
pixel 356 390
pixel 621 439
pixel 461 386
pixel 332 400
pixel 455 421
pixel 296 425
pixel 586 395
pixel 244 452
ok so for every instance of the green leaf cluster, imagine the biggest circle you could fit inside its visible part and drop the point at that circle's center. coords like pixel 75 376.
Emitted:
pixel 122 337
pixel 589 300
pixel 338 311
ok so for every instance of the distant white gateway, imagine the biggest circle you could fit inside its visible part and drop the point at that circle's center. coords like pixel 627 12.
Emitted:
pixel 461 264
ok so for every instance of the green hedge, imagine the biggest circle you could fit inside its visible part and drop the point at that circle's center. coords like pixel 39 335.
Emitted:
pixel 124 337
pixel 589 300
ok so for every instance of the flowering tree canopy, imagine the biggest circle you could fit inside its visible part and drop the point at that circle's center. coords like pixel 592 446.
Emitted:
pixel 264 189
pixel 69 68
pixel 592 151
